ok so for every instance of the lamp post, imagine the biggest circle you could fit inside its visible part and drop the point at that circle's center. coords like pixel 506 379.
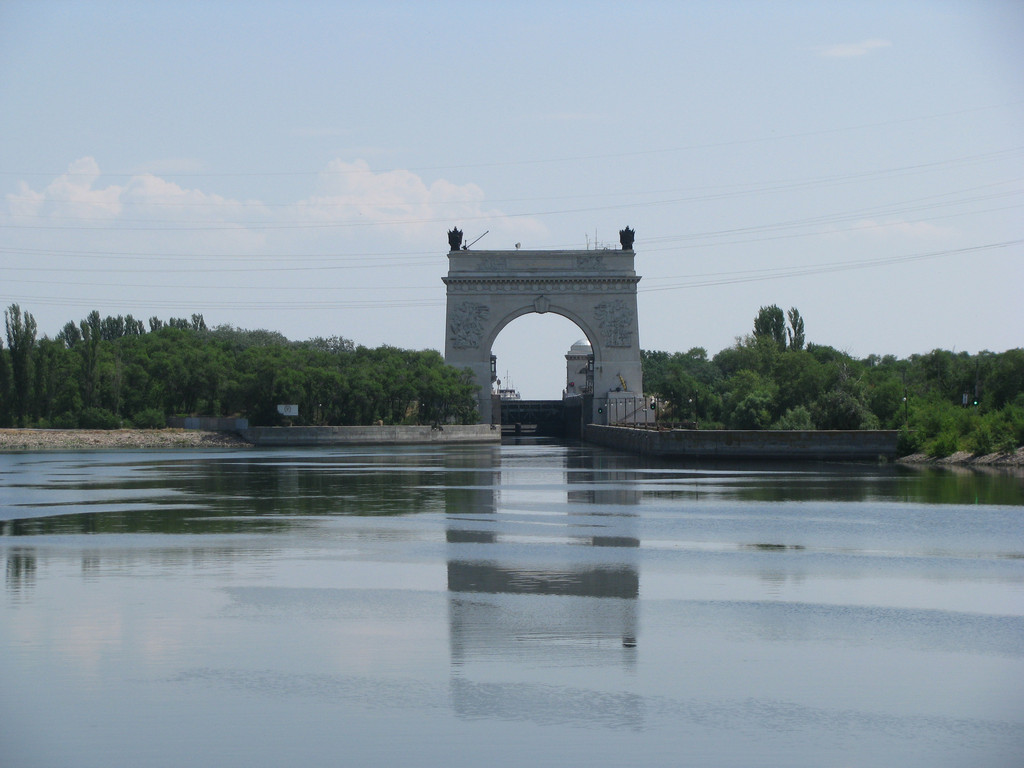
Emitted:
pixel 906 404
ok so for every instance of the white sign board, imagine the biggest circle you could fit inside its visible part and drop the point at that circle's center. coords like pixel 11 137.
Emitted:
pixel 288 410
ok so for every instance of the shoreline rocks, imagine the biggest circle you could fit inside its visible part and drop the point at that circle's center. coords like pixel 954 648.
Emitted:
pixel 1013 460
pixel 114 439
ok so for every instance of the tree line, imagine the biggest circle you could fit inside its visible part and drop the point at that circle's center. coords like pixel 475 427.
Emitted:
pixel 773 379
pixel 120 371
pixel 105 372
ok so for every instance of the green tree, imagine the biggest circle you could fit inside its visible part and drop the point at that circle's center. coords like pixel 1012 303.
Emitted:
pixel 798 417
pixel 6 415
pixel 70 335
pixel 750 401
pixel 740 356
pixel 92 336
pixel 333 344
pixel 842 409
pixel 112 328
pixel 796 329
pixel 799 377
pixel 21 340
pixel 654 364
pixel 770 323
pixel 686 383
pixel 55 388
pixel 1006 380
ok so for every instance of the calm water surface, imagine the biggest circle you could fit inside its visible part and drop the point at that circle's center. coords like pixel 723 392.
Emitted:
pixel 531 604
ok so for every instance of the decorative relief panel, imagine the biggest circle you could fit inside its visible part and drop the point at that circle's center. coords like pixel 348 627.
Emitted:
pixel 615 321
pixel 588 261
pixel 467 324
pixel 493 264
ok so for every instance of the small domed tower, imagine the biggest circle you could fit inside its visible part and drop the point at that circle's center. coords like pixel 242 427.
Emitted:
pixel 579 369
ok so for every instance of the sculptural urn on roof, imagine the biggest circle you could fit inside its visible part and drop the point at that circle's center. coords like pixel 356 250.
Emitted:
pixel 626 238
pixel 454 239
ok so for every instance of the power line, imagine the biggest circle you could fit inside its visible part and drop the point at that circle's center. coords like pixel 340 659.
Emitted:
pixel 234 286
pixel 192 304
pixel 748 276
pixel 713 193
pixel 563 159
pixel 860 227
pixel 705 280
pixel 690 240
pixel 245 269
pixel 246 226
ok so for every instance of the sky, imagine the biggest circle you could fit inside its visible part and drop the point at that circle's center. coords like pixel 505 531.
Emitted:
pixel 295 166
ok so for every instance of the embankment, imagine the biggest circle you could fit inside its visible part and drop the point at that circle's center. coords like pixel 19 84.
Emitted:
pixel 1013 460
pixel 375 435
pixel 117 439
pixel 729 444
pixel 114 439
pixel 785 445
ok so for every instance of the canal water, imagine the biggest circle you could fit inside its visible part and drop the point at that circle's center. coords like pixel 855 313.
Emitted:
pixel 535 604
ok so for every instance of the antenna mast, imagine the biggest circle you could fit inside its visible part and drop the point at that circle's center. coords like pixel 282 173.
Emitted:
pixel 466 247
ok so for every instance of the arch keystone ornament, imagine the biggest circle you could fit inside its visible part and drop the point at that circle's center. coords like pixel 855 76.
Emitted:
pixel 595 289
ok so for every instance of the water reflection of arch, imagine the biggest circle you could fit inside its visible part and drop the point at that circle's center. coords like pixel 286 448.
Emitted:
pixel 516 594
pixel 602 477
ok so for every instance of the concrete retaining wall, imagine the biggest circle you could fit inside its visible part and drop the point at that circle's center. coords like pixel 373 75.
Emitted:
pixel 208 423
pixel 852 445
pixel 385 435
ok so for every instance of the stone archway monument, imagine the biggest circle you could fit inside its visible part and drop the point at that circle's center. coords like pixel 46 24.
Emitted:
pixel 596 289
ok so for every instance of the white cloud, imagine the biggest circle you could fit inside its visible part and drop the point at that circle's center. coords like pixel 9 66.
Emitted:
pixel 74 194
pixel 146 190
pixel 24 203
pixel 403 201
pixel 69 195
pixel 146 206
pixel 850 50
pixel 352 200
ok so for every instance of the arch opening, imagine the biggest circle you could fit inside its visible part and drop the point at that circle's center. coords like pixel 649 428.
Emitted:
pixel 530 355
